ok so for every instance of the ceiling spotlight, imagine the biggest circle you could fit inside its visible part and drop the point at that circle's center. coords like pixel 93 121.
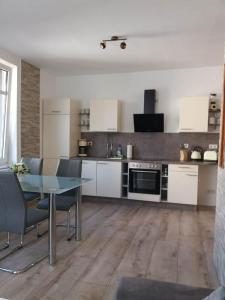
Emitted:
pixel 123 45
pixel 114 38
pixel 103 45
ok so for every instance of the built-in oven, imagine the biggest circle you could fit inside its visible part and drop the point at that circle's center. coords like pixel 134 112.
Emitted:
pixel 144 181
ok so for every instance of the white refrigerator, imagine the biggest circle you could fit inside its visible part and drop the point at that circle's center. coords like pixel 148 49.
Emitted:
pixel 60 132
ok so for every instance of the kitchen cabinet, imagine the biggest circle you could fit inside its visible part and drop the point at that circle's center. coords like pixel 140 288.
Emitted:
pixel 50 166
pixel 109 179
pixel 194 114
pixel 105 178
pixel 89 171
pixel 56 138
pixel 183 184
pixel 105 115
pixel 60 131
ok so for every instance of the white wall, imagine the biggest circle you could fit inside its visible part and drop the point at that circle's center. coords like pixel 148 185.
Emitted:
pixel 14 62
pixel 171 85
pixel 47 85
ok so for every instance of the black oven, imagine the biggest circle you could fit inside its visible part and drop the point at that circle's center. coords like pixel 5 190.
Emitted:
pixel 144 178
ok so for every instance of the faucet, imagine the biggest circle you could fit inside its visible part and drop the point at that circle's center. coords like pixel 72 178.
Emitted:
pixel 109 150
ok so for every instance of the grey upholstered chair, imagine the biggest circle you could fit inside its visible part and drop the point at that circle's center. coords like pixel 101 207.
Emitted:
pixel 15 217
pixel 65 201
pixel 35 166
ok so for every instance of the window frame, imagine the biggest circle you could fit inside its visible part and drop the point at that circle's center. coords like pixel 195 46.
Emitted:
pixel 222 126
pixel 4 160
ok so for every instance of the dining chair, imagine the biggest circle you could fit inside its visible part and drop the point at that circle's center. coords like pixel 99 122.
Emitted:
pixel 15 217
pixel 35 166
pixel 65 201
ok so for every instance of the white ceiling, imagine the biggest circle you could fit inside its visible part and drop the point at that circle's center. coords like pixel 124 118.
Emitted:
pixel 63 36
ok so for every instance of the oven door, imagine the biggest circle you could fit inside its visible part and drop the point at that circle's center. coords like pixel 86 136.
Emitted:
pixel 142 181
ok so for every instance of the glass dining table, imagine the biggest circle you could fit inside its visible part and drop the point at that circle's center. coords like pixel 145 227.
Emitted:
pixel 55 185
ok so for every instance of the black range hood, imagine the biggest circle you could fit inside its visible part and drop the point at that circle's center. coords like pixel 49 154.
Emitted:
pixel 149 121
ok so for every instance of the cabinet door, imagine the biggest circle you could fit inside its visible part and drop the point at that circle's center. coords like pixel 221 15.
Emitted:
pixel 56 136
pixel 56 106
pixel 50 166
pixel 182 187
pixel 89 171
pixel 194 114
pixel 109 179
pixel 104 115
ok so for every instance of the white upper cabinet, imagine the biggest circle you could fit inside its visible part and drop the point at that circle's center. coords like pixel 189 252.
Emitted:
pixel 57 106
pixel 105 115
pixel 194 112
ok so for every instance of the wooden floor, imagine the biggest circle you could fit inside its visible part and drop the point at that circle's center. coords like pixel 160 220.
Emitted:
pixel 119 240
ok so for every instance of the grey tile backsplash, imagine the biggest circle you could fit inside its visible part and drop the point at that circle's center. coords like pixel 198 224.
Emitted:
pixel 148 145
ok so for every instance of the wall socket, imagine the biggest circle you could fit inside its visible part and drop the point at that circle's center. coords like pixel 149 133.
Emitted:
pixel 213 146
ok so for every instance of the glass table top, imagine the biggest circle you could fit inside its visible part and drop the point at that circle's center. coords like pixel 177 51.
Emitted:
pixel 49 184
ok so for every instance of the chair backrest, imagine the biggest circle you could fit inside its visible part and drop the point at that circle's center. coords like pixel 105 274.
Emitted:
pixel 35 165
pixel 12 204
pixel 69 168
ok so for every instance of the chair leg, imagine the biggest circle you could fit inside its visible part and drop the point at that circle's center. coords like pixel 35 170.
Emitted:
pixel 7 244
pixel 68 225
pixel 14 271
pixel 39 235
pixel 73 226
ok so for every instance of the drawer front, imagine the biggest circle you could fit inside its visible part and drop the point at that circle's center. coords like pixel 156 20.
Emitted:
pixel 183 168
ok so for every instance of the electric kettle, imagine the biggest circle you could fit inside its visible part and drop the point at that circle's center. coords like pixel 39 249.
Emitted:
pixel 196 153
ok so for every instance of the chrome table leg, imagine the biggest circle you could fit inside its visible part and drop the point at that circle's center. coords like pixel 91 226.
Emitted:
pixel 78 215
pixel 52 230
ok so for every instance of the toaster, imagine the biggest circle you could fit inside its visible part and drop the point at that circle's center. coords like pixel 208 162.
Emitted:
pixel 211 155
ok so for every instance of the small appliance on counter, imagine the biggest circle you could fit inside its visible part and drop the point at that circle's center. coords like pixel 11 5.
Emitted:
pixel 197 153
pixel 83 147
pixel 129 151
pixel 184 153
pixel 210 155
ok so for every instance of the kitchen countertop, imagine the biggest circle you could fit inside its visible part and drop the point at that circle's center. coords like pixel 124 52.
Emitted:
pixel 156 160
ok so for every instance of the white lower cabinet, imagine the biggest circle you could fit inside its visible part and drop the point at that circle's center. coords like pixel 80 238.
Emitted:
pixel 109 179
pixel 105 178
pixel 89 171
pixel 183 184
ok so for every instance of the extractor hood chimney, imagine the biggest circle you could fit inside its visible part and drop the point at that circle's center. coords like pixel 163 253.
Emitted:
pixel 149 101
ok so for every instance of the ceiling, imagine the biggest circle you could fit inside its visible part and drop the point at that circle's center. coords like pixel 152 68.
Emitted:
pixel 62 36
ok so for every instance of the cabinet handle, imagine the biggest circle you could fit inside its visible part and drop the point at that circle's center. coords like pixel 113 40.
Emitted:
pixel 111 129
pixel 99 163
pixel 184 167
pixel 186 129
pixel 56 111
pixel 192 175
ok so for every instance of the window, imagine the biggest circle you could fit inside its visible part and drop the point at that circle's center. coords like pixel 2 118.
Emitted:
pixel 4 98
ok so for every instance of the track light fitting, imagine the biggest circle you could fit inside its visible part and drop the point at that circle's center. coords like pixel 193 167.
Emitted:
pixel 114 38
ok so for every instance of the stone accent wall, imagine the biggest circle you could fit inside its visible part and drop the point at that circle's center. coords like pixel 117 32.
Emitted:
pixel 148 145
pixel 30 110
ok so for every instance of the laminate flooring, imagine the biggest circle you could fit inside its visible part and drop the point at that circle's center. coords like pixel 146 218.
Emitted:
pixel 118 240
